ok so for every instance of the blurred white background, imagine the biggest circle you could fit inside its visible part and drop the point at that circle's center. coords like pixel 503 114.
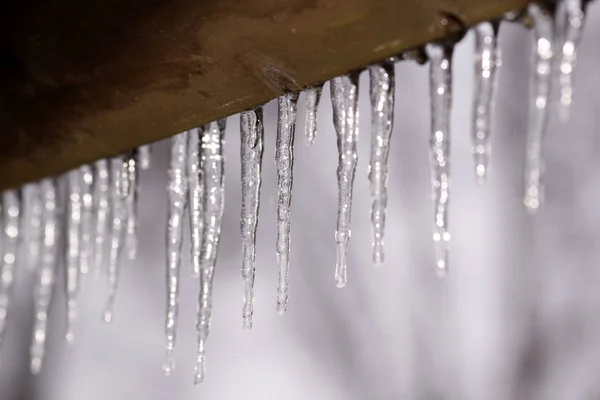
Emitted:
pixel 518 317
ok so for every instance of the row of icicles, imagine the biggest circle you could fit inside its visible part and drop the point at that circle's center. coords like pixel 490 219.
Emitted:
pixel 100 207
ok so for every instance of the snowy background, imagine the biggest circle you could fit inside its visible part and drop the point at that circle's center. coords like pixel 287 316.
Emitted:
pixel 518 317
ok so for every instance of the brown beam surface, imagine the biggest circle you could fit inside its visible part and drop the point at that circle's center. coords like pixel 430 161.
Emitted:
pixel 81 80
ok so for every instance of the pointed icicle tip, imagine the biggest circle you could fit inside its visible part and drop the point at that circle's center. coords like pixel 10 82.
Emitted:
pixel 540 86
pixel 382 90
pixel 440 89
pixel 251 149
pixel 284 162
pixel 344 98
pixel 487 62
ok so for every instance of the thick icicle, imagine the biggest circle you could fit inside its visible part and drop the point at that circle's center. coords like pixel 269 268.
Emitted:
pixel 539 93
pixel 569 19
pixel 252 135
pixel 212 163
pixel 87 218
pixel 145 156
pixel 194 175
pixel 344 97
pixel 33 209
pixel 440 76
pixel 131 205
pixel 313 95
pixel 284 161
pixel 46 273
pixel 72 257
pixel 11 235
pixel 382 119
pixel 117 221
pixel 177 197
pixel 102 210
pixel 487 61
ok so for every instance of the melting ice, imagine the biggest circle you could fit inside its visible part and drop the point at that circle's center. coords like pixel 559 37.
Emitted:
pixel 313 96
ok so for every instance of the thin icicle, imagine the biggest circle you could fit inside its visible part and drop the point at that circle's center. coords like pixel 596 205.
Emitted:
pixel 313 95
pixel 46 273
pixel 117 221
pixel 11 235
pixel 539 94
pixel 87 219
pixel 382 119
pixel 440 81
pixel 284 161
pixel 131 204
pixel 102 210
pixel 569 19
pixel 177 197
pixel 33 209
pixel 487 61
pixel 194 174
pixel 252 135
pixel 145 156
pixel 212 163
pixel 344 97
pixel 73 258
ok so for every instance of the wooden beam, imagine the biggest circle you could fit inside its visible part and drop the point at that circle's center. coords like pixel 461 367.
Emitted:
pixel 88 79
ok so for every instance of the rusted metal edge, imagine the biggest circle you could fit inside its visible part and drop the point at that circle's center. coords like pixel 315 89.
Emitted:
pixel 86 80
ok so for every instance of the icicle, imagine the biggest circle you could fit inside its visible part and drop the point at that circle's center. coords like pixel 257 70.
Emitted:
pixel 131 205
pixel 74 190
pixel 102 204
pixel 440 76
pixel 382 119
pixel 487 61
pixel 145 156
pixel 212 164
pixel 86 251
pixel 284 161
pixel 539 92
pixel 46 273
pixel 344 97
pixel 32 199
pixel 194 175
pixel 11 235
pixel 569 17
pixel 177 195
pixel 313 95
pixel 115 239
pixel 252 135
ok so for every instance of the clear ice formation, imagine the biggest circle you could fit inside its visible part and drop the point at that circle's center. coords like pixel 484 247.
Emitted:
pixel 487 61
pixel 32 214
pixel 569 20
pixel 145 156
pixel 382 91
pixel 284 162
pixel 102 213
pixel 344 97
pixel 313 96
pixel 251 153
pixel 194 175
pixel 118 218
pixel 440 81
pixel 87 218
pixel 72 256
pixel 131 203
pixel 212 163
pixel 46 272
pixel 177 201
pixel 11 235
pixel 539 95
